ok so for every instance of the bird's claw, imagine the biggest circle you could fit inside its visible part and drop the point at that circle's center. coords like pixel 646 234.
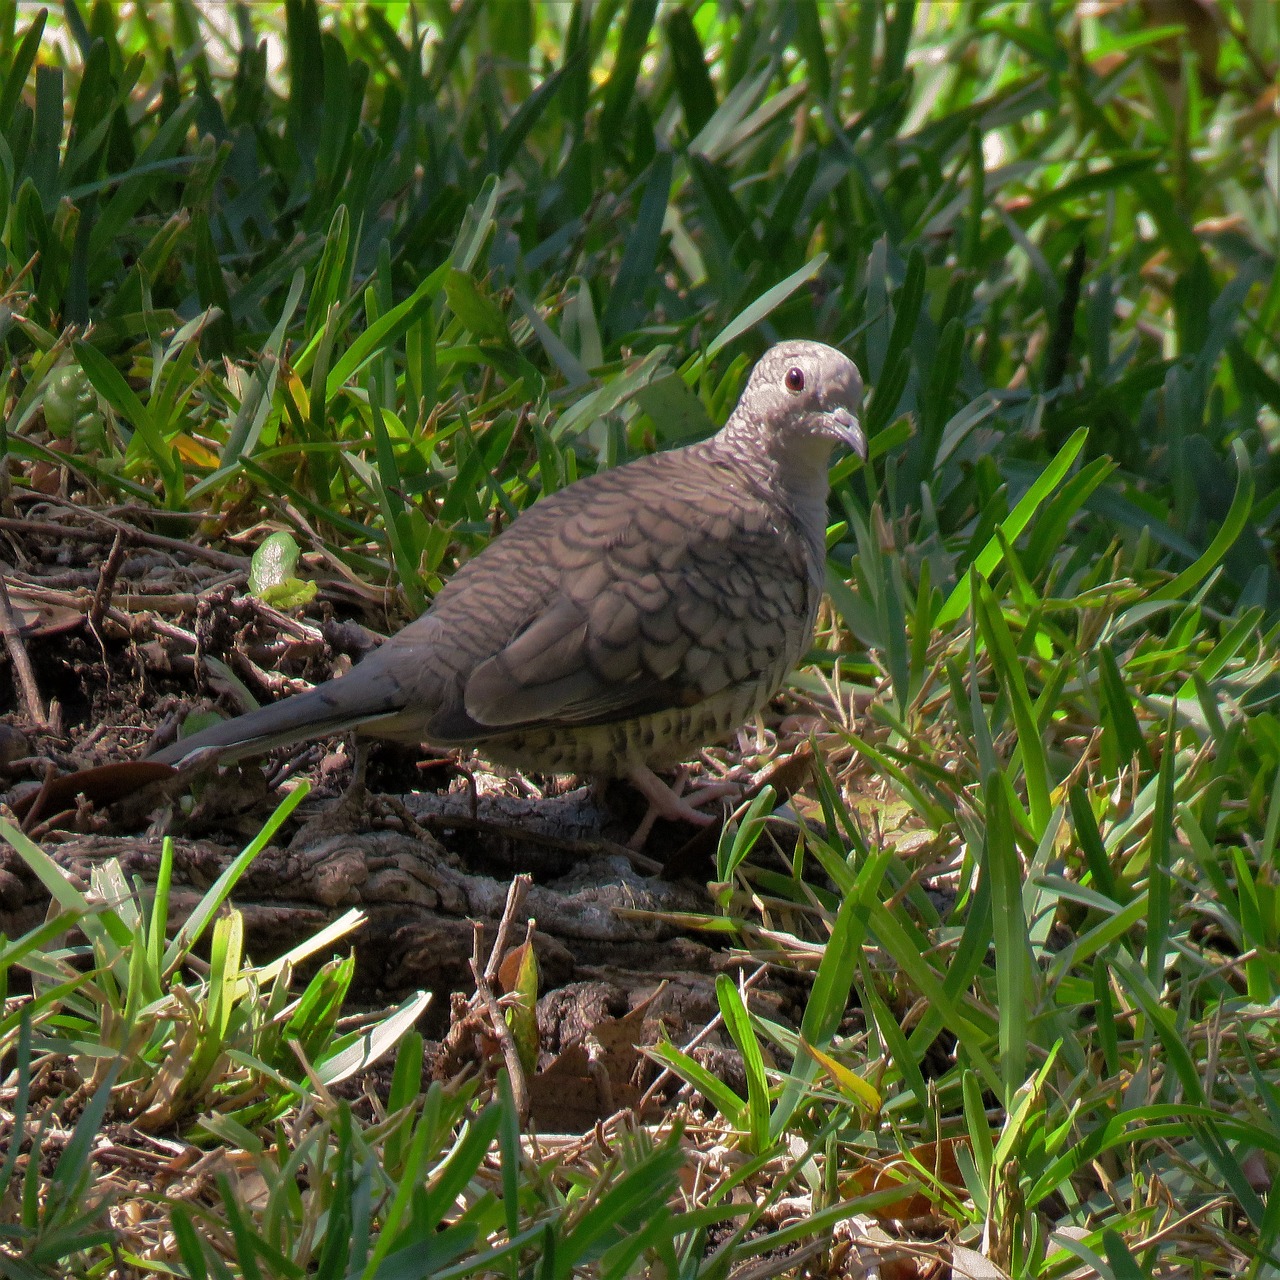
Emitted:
pixel 668 801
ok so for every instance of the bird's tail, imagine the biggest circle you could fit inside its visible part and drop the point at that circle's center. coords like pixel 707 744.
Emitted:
pixel 329 708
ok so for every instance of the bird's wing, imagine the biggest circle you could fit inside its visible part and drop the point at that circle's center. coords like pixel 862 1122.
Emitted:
pixel 659 604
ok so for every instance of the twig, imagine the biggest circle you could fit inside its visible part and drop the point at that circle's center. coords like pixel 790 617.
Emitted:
pixel 516 893
pixel 473 792
pixel 26 676
pixel 134 624
pixel 42 796
pixel 107 581
pixel 507 1042
pixel 51 528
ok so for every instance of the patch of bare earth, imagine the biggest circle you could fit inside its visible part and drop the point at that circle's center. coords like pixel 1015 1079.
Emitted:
pixel 125 629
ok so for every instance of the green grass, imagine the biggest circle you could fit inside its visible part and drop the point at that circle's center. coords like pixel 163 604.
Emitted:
pixel 440 262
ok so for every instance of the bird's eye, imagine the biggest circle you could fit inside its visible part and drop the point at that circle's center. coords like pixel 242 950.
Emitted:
pixel 795 380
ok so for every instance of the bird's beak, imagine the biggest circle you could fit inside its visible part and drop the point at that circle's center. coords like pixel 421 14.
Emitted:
pixel 846 428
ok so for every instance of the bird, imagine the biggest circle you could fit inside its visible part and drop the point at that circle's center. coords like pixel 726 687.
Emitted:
pixel 622 623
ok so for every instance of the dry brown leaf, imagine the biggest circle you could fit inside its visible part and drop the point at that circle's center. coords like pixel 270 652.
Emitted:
pixel 938 1157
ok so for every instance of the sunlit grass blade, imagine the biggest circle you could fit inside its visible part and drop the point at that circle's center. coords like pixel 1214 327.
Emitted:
pixel 1011 528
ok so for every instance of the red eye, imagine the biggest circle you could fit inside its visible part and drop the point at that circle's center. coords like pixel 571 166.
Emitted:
pixel 795 379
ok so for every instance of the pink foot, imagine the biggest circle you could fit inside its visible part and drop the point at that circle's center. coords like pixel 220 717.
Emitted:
pixel 669 802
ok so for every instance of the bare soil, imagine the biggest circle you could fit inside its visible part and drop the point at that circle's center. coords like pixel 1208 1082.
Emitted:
pixel 124 629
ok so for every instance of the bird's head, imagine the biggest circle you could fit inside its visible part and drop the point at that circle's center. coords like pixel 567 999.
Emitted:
pixel 801 400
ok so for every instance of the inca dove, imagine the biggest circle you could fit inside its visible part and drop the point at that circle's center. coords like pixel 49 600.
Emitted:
pixel 623 622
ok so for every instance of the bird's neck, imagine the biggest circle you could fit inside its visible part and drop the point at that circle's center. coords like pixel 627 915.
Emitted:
pixel 802 469
pixel 802 476
pixel 795 465
pixel 791 475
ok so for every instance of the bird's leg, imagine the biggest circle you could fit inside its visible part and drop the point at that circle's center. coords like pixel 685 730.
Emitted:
pixel 360 764
pixel 665 799
pixel 669 802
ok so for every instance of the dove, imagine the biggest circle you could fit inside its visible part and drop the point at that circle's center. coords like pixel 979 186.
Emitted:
pixel 622 623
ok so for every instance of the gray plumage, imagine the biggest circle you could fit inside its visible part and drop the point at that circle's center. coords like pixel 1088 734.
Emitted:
pixel 627 620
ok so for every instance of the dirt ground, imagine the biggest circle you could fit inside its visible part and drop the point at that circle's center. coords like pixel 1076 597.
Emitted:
pixel 116 631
